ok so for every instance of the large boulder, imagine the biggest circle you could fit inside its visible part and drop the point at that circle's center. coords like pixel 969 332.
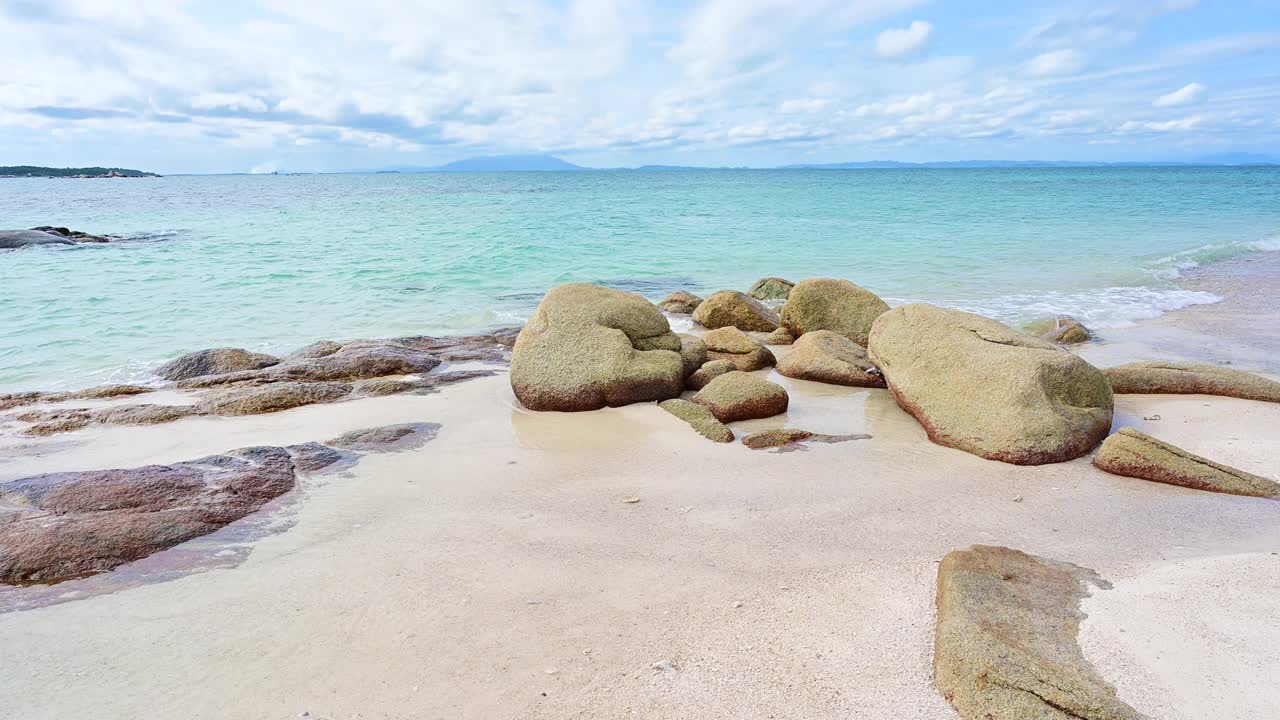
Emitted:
pixel 781 336
pixel 829 357
pixel 1006 646
pixel 680 302
pixel 982 387
pixel 65 525
pixel 836 305
pixel 771 288
pixel 742 396
pixel 216 361
pixel 693 353
pixel 13 239
pixel 699 418
pixel 745 352
pixel 587 347
pixel 730 308
pixel 1134 454
pixel 1191 378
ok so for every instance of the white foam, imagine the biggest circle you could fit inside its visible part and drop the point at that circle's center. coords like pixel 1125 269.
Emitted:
pixel 1113 307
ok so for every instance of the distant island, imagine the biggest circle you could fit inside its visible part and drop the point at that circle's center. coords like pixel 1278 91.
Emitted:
pixel 32 171
pixel 551 163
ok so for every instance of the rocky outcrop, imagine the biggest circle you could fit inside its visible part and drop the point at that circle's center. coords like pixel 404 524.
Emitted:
pixel 271 398
pixel 317 349
pixel 50 422
pixel 46 235
pixel 791 438
pixel 355 361
pixel 1006 645
pixel 424 385
pixel 828 357
pixel 742 396
pixel 979 386
pixel 1190 378
pixel 217 361
pixel 745 352
pixel 1134 454
pixel 771 288
pixel 587 347
pixel 693 353
pixel 836 305
pixel 102 392
pixel 710 370
pixel 699 418
pixel 729 308
pixel 387 438
pixel 781 336
pixel 65 525
pixel 680 303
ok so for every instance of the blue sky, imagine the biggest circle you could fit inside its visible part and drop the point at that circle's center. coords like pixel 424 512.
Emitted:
pixel 324 85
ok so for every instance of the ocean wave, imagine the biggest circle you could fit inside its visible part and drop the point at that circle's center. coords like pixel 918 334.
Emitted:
pixel 1112 307
pixel 1172 266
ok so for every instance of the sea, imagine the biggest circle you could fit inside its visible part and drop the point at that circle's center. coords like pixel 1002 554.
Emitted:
pixel 273 262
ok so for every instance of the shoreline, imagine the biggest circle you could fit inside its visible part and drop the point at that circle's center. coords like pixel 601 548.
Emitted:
pixel 497 571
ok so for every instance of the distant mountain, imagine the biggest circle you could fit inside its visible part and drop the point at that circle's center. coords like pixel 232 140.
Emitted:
pixel 1239 158
pixel 1227 159
pixel 84 172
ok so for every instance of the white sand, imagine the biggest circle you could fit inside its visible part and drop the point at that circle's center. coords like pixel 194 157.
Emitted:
pixel 469 577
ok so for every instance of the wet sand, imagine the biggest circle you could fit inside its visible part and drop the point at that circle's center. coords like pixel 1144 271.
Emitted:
pixel 497 573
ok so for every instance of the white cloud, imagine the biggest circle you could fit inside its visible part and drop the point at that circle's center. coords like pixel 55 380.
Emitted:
pixel 1055 62
pixel 898 43
pixel 1138 126
pixel 806 105
pixel 1187 95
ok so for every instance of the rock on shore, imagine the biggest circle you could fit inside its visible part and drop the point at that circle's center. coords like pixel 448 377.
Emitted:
pixel 730 308
pixel 745 352
pixel 215 361
pixel 1190 378
pixel 828 357
pixel 699 418
pixel 771 288
pixel 1006 645
pixel 587 347
pixel 979 386
pixel 829 304
pixel 680 302
pixel 65 525
pixel 1134 454
pixel 742 396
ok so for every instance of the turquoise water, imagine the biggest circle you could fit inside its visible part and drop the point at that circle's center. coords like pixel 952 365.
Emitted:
pixel 275 262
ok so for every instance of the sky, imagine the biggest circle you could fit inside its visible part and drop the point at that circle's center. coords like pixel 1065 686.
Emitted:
pixel 334 85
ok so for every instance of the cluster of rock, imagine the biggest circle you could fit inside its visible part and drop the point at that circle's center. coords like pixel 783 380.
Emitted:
pixel 60 526
pixel 47 235
pixel 234 381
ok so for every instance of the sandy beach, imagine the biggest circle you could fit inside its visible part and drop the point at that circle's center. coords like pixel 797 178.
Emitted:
pixel 498 571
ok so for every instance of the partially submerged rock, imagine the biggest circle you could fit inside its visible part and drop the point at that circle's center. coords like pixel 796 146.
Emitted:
pixel 588 347
pixel 77 236
pixel 1134 454
pixel 745 352
pixel 979 386
pixel 14 239
pixel 790 438
pixel 730 308
pixel 217 361
pixel 387 438
pixel 272 398
pixel 709 371
pixel 830 304
pixel 64 525
pixel 829 357
pixel 771 288
pixel 680 302
pixel 742 396
pixel 1063 329
pixel 354 361
pixel 1006 646
pixel 699 418
pixel 1190 378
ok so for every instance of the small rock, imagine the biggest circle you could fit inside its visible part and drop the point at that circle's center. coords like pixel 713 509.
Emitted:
pixel 1017 498
pixel 737 603
pixel 664 666
pixel 631 499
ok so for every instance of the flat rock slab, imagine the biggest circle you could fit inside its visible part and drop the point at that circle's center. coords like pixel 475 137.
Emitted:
pixel 1006 644
pixel 699 418
pixel 60 526
pixel 1191 378
pixel 788 439
pixel 388 438
pixel 1134 454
